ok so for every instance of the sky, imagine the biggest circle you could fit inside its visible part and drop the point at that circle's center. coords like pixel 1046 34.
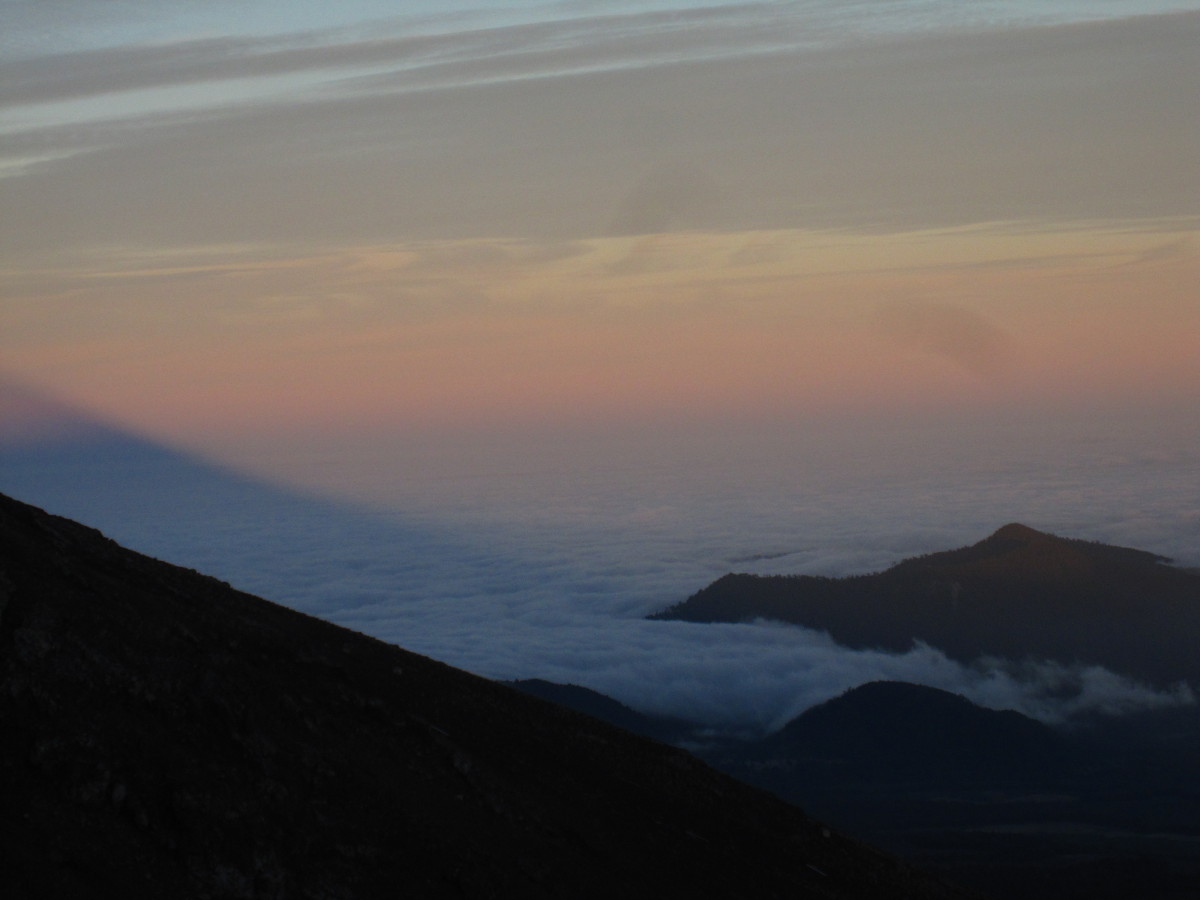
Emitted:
pixel 648 289
pixel 327 218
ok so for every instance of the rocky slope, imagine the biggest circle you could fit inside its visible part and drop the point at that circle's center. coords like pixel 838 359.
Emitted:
pixel 167 736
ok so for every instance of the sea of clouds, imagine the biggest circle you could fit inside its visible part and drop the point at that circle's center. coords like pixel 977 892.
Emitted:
pixel 517 560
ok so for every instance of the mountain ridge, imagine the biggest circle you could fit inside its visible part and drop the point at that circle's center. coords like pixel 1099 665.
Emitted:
pixel 889 729
pixel 1018 594
pixel 669 729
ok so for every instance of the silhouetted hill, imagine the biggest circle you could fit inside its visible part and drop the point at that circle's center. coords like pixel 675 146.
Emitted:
pixel 991 798
pixel 1018 593
pixel 167 736
pixel 889 730
pixel 662 728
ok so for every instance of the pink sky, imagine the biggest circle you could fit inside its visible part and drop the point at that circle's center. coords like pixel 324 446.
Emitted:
pixel 944 221
pixel 684 325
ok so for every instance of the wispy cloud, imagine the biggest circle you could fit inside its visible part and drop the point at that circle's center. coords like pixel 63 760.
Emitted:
pixel 930 131
pixel 421 60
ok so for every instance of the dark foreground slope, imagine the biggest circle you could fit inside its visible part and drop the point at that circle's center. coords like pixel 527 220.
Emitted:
pixel 668 729
pixel 1018 593
pixel 167 736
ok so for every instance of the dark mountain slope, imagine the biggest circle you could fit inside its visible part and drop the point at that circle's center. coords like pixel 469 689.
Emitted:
pixel 994 799
pixel 662 728
pixel 167 736
pixel 1105 810
pixel 881 751
pixel 889 730
pixel 1018 593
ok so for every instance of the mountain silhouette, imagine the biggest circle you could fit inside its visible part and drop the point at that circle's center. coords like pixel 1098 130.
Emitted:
pixel 670 729
pixel 890 730
pixel 167 736
pixel 992 799
pixel 1018 594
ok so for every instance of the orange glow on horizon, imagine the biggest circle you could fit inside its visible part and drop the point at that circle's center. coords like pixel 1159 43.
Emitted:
pixel 455 333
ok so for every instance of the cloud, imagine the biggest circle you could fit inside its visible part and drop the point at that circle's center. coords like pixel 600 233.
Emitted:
pixel 439 53
pixel 1056 693
pixel 1165 252
pixel 930 131
pixel 954 333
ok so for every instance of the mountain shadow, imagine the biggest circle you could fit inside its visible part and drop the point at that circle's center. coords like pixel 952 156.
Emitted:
pixel 296 548
pixel 1017 594
pixel 167 736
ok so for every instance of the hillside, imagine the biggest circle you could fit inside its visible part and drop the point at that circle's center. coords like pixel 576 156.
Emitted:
pixel 891 731
pixel 668 729
pixel 166 735
pixel 992 799
pixel 1019 593
pixel 1106 809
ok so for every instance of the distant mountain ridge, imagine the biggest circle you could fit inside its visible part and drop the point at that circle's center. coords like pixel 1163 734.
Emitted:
pixel 889 730
pixel 1104 810
pixel 1017 594
pixel 669 729
pixel 1018 551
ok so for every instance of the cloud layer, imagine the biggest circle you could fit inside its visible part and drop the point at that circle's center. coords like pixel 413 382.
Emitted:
pixel 515 569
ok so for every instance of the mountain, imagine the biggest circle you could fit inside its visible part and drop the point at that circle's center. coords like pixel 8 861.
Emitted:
pixel 669 729
pixel 889 730
pixel 166 736
pixel 1104 810
pixel 1019 593
pixel 991 798
pixel 891 756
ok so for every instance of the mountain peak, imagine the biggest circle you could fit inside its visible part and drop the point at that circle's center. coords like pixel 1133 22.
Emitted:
pixel 1018 593
pixel 1015 531
pixel 29 417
